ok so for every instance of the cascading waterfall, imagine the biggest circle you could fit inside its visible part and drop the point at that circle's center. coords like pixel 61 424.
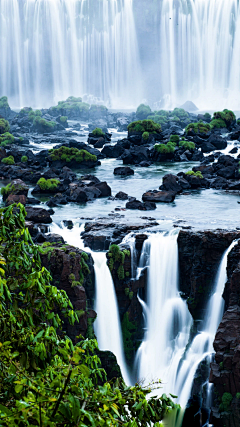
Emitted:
pixel 107 325
pixel 198 52
pixel 166 352
pixel 51 49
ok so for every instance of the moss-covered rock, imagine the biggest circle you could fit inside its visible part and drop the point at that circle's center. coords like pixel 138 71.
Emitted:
pixel 226 117
pixel 143 111
pixel 4 126
pixel 142 126
pixel 165 148
pixel 16 187
pixel 6 139
pixel 198 128
pixel 72 157
pixel 189 145
pixel 8 160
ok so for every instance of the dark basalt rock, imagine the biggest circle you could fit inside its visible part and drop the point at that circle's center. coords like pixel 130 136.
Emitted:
pixel 58 199
pixel 171 183
pixel 217 141
pixel 136 204
pixel 14 198
pixel 113 151
pixel 123 171
pixel 18 187
pixel 38 215
pixel 104 189
pixel 159 196
pixel 121 196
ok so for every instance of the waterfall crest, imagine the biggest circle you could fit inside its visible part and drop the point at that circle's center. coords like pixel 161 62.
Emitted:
pixel 107 325
pixel 51 49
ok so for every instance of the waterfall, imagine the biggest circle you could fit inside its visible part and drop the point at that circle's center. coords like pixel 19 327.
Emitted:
pixel 198 47
pixel 107 325
pixel 167 352
pixel 51 49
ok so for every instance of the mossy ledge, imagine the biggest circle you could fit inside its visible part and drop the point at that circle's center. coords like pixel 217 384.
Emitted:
pixel 66 156
pixel 116 261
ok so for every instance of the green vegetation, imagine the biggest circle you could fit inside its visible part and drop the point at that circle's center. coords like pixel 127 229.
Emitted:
pixel 63 119
pixel 4 126
pixel 197 174
pixel 5 191
pixel 145 136
pixel 98 109
pixel 72 103
pixel 98 132
pixel 84 270
pixel 180 113
pixel 45 380
pixel 207 117
pixel 143 111
pixel 175 139
pixel 128 330
pixel 45 124
pixel 226 116
pixel 144 126
pixel 6 138
pixel 116 260
pixel 24 159
pixel 189 145
pixel 226 402
pixel 8 160
pixel 165 148
pixel 48 184
pixel 198 127
pixel 67 154
pixel 4 102
pixel 32 115
pixel 217 123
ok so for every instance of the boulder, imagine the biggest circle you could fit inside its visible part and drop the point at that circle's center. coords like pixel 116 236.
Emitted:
pixel 15 198
pixel 38 215
pixel 218 142
pixel 207 147
pixel 112 151
pixel 159 196
pixel 170 183
pixel 136 204
pixel 121 196
pixel 104 189
pixel 123 171
pixel 17 187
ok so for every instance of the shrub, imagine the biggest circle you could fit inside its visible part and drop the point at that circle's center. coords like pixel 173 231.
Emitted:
pixel 189 145
pixel 197 174
pixel 24 159
pixel 143 111
pixel 165 148
pixel 8 160
pixel 144 126
pixel 198 127
pixel 63 119
pixel 98 132
pixel 72 103
pixel 207 117
pixel 4 126
pixel 7 190
pixel 47 125
pixel 48 184
pixel 174 138
pixel 217 123
pixel 33 114
pixel 226 402
pixel 68 154
pixel 145 136
pixel 6 138
pixel 4 102
pixel 180 114
pixel 227 116
pixel 161 120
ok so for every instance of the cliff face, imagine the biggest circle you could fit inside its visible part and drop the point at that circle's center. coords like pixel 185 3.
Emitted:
pixel 72 271
pixel 225 370
pixel 200 254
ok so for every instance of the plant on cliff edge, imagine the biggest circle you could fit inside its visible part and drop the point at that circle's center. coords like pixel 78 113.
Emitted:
pixel 44 379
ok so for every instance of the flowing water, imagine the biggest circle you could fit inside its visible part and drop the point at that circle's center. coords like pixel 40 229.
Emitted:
pixel 107 325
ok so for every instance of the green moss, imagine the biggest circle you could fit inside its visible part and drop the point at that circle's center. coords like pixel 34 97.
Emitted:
pixel 73 254
pixel 71 154
pixel 71 277
pixel 226 402
pixel 24 159
pixel 80 313
pixel 74 283
pixel 127 290
pixel 48 184
pixel 45 124
pixel 174 138
pixel 63 119
pixel 180 113
pixel 143 111
pixel 217 123
pixel 227 116
pixel 165 148
pixel 198 127
pixel 8 160
pixel 116 259
pixel 120 272
pixel 4 126
pixel 90 331
pixel 197 174
pixel 98 132
pixel 72 103
pixel 7 190
pixel 6 138
pixel 32 115
pixel 189 145
pixel 128 329
pixel 131 295
pixel 144 126
pixel 4 102
pixel 145 136
pixel 84 269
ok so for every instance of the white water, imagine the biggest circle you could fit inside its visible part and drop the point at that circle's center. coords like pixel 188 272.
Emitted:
pixel 107 325
pixel 199 47
pixel 51 49
pixel 164 354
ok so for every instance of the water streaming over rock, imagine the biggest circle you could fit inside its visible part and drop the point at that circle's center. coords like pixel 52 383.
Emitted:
pixel 167 352
pixel 107 325
pixel 51 49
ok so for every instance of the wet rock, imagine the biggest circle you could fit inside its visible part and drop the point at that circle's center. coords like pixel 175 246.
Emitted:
pixel 207 147
pixel 17 187
pixel 113 151
pixel 123 171
pixel 217 141
pixel 136 204
pixel 121 196
pixel 159 196
pixel 14 198
pixel 38 215
pixel 170 183
pixel 104 189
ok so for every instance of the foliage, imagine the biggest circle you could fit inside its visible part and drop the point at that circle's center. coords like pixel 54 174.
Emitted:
pixel 128 329
pixel 145 136
pixel 69 154
pixel 207 117
pixel 165 148
pixel 8 160
pixel 45 124
pixel 227 116
pixel 226 402
pixel 143 111
pixel 4 102
pixel 98 132
pixel 144 126
pixel 6 138
pixel 4 126
pixel 175 139
pixel 5 191
pixel 48 184
pixel 63 119
pixel 197 174
pixel 24 159
pixel 218 123
pixel 32 115
pixel 198 127
pixel 189 145
pixel 44 379
pixel 180 113
pixel 116 260
pixel 72 103
pixel 98 108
